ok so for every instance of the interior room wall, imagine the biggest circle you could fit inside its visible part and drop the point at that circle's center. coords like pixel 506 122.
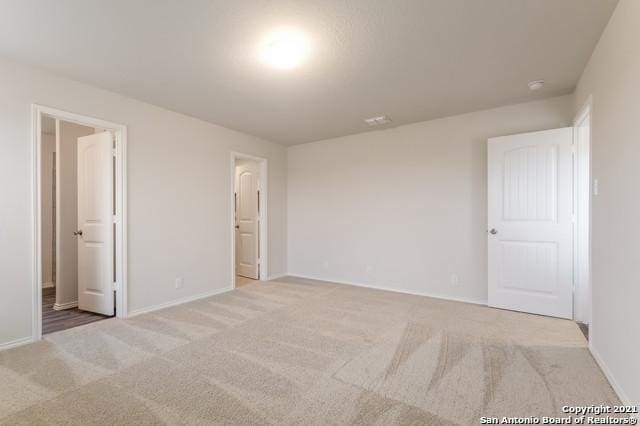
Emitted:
pixel 46 181
pixel 67 217
pixel 404 208
pixel 612 79
pixel 178 171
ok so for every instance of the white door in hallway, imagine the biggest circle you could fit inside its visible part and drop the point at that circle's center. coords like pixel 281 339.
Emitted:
pixel 95 223
pixel 530 229
pixel 247 204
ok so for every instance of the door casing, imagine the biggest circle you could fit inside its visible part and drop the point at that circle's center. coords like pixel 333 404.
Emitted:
pixel 120 219
pixel 583 202
pixel 264 220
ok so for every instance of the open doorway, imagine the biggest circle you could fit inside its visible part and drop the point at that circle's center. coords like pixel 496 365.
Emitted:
pixel 539 199
pixel 249 201
pixel 582 223
pixel 80 232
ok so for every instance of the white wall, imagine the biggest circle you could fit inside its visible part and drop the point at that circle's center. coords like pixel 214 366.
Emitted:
pixel 67 210
pixel 403 208
pixel 179 194
pixel 612 77
pixel 48 194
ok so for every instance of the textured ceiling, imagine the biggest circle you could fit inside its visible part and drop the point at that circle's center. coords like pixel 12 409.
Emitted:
pixel 412 60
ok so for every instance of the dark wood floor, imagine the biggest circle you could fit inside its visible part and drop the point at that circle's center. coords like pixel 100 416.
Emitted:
pixel 53 320
pixel 585 329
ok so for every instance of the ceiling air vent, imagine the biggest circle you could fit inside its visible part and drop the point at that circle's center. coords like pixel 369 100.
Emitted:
pixel 376 121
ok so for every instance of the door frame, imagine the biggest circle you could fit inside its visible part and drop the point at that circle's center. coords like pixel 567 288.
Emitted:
pixel 582 187
pixel 263 185
pixel 120 133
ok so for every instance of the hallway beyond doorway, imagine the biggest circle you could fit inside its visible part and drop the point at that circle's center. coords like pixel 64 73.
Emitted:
pixel 53 320
pixel 242 281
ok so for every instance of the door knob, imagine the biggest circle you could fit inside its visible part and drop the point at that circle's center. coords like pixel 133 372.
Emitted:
pixel 237 226
pixel 493 231
pixel 78 232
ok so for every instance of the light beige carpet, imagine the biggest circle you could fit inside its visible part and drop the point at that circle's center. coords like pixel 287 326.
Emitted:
pixel 301 352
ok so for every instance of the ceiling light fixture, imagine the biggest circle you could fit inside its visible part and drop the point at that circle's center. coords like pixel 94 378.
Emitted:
pixel 376 121
pixel 284 49
pixel 536 85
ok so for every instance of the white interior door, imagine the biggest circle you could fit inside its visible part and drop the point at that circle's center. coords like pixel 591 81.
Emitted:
pixel 247 204
pixel 530 222
pixel 95 223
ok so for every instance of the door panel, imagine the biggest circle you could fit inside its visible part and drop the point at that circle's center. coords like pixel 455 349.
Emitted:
pixel 95 220
pixel 530 180
pixel 529 266
pixel 530 211
pixel 247 225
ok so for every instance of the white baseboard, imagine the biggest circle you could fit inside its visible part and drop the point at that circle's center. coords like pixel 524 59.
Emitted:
pixel 49 284
pixel 276 276
pixel 63 306
pixel 607 373
pixel 394 290
pixel 16 343
pixel 187 299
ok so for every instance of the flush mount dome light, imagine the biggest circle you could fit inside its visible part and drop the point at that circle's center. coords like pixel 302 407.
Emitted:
pixel 284 49
pixel 536 85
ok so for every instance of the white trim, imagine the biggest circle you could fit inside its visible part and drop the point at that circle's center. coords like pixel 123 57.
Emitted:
pixel 607 373
pixel 120 132
pixel 49 284
pixel 584 110
pixel 36 307
pixel 120 220
pixel 63 306
pixel 16 343
pixel 187 299
pixel 585 300
pixel 276 276
pixel 394 290
pixel 264 213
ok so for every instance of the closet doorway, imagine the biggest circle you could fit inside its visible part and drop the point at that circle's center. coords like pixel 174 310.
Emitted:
pixel 249 201
pixel 79 187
